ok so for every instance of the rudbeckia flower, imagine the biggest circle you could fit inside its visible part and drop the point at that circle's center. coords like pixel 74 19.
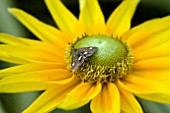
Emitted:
pixel 88 60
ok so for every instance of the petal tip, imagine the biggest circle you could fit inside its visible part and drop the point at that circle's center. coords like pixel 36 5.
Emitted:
pixel 12 9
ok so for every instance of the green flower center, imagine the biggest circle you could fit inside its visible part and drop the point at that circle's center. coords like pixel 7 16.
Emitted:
pixel 112 60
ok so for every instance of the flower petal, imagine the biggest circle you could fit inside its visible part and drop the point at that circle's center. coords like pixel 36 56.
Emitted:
pixel 49 100
pixel 65 20
pixel 13 40
pixel 24 87
pixel 155 52
pixel 107 101
pixel 159 75
pixel 129 104
pixel 9 39
pixel 16 54
pixel 52 75
pixel 91 17
pixel 120 20
pixel 154 68
pixel 162 63
pixel 80 96
pixel 149 34
pixel 81 4
pixel 147 89
pixel 43 31
pixel 12 59
pixel 30 68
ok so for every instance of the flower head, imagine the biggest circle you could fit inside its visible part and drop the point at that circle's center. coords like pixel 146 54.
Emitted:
pixel 88 59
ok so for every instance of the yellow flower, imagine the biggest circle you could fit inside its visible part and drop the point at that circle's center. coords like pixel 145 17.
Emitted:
pixel 46 64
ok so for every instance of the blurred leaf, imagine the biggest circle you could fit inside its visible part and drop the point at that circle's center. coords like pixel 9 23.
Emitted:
pixel 154 107
pixel 84 109
pixel 8 23
pixel 159 4
pixel 15 103
pixel 2 109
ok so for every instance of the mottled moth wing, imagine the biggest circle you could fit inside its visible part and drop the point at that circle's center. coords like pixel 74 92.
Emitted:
pixel 80 54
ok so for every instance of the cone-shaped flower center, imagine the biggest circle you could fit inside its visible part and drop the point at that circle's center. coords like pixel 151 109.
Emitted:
pixel 100 58
pixel 110 50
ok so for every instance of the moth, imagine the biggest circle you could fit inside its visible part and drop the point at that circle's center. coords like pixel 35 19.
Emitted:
pixel 79 55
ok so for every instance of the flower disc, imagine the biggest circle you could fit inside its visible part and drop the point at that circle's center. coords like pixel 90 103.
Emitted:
pixel 112 60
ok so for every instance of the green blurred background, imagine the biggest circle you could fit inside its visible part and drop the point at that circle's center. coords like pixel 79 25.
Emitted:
pixel 15 103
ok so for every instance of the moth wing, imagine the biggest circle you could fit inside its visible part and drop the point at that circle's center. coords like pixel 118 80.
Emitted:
pixel 77 60
pixel 89 51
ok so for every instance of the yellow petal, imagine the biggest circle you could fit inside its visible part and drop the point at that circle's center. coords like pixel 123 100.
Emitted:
pixel 12 59
pixel 162 63
pixel 43 31
pixel 13 40
pixel 29 54
pixel 159 75
pixel 9 39
pixel 91 17
pixel 120 20
pixel 24 87
pixel 155 52
pixel 154 68
pixel 81 4
pixel 147 89
pixel 50 99
pixel 129 104
pixel 30 68
pixel 52 75
pixel 149 34
pixel 80 96
pixel 65 20
pixel 107 101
